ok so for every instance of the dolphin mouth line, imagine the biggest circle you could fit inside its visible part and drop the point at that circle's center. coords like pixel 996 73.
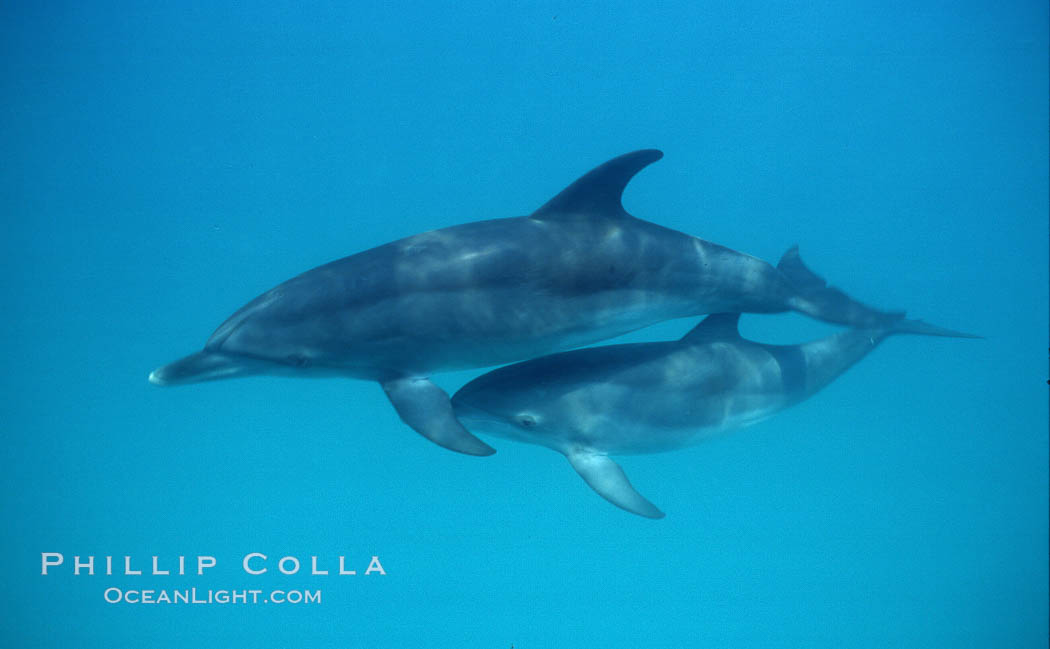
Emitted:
pixel 475 414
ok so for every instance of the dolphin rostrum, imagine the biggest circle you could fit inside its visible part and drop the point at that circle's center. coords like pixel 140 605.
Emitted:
pixel 577 270
pixel 591 403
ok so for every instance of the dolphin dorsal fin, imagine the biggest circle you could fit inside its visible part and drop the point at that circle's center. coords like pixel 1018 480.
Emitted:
pixel 598 192
pixel 717 326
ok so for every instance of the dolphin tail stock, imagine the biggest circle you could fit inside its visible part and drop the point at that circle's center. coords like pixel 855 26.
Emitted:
pixel 608 479
pixel 817 299
pixel 427 410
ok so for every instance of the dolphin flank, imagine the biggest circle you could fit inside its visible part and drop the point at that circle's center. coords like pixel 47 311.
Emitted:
pixel 651 397
pixel 578 270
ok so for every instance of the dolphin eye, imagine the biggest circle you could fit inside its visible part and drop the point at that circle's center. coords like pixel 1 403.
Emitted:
pixel 527 421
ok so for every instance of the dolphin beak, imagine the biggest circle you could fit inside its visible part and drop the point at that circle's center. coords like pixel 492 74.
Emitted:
pixel 475 419
pixel 203 366
pixel 462 410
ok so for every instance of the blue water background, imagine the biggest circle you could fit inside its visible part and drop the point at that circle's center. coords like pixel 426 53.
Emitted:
pixel 165 162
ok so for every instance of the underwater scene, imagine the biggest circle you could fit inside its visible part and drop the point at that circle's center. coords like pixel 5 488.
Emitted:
pixel 525 325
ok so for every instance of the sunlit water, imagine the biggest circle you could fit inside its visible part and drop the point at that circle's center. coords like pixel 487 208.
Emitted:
pixel 164 165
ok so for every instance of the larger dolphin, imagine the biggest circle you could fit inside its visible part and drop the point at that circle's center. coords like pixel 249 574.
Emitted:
pixel 578 270
pixel 650 397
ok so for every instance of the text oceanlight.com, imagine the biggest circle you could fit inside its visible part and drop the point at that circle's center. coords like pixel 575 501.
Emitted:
pixel 115 595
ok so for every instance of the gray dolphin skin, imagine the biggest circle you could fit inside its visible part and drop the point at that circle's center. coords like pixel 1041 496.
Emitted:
pixel 578 270
pixel 652 397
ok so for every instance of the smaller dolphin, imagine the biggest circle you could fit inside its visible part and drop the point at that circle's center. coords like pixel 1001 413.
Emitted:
pixel 591 403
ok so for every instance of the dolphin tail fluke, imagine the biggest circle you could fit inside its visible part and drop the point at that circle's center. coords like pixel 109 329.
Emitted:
pixel 427 410
pixel 817 299
pixel 905 326
pixel 608 479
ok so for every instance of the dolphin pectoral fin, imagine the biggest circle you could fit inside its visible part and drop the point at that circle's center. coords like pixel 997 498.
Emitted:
pixel 427 410
pixel 608 479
